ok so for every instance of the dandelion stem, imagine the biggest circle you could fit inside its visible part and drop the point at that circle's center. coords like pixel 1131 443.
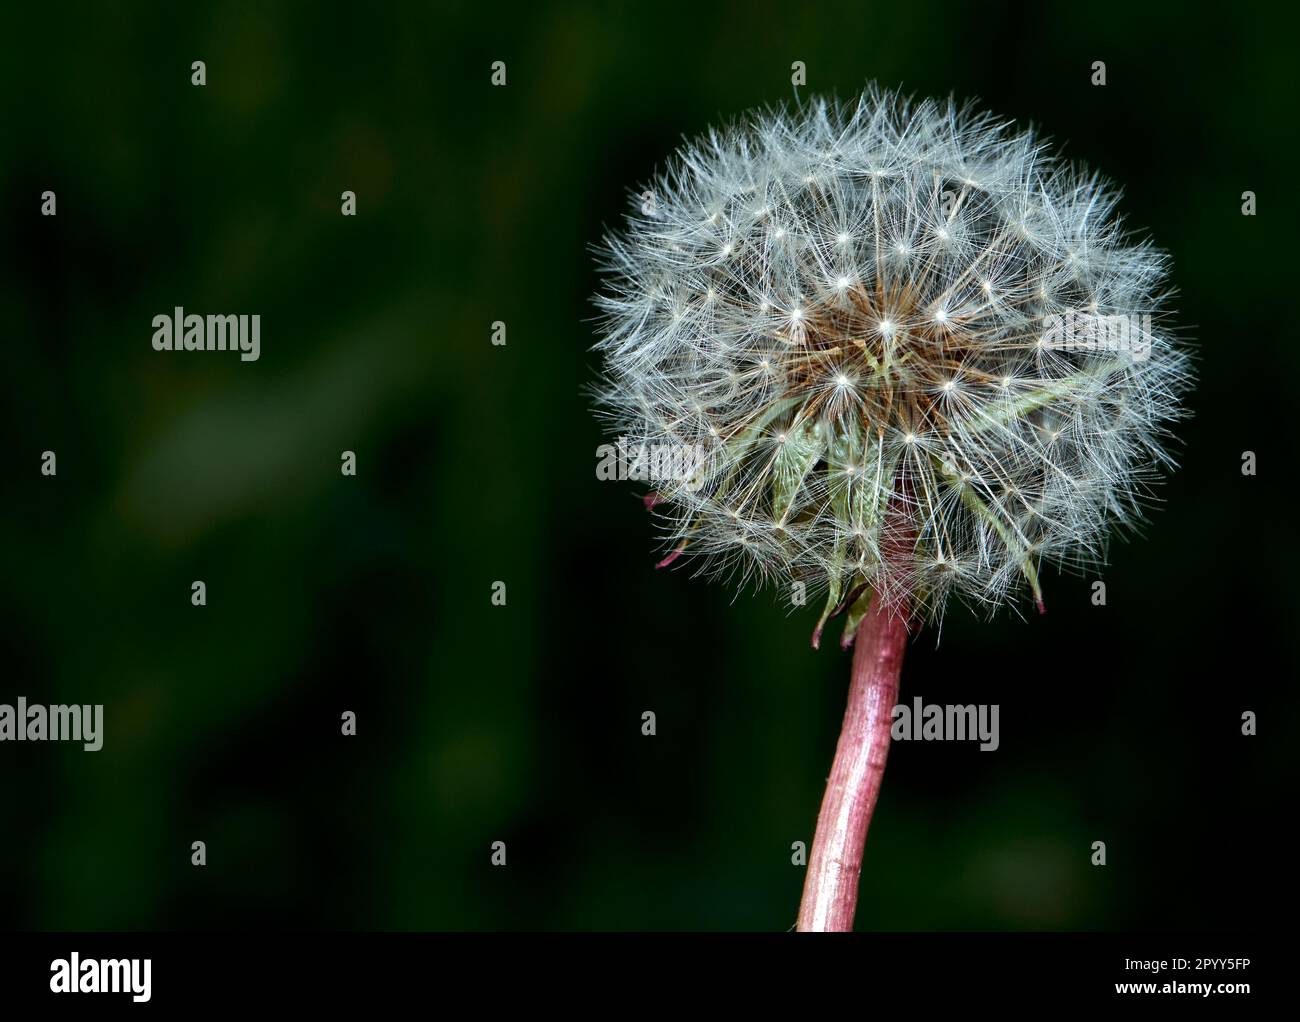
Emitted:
pixel 830 893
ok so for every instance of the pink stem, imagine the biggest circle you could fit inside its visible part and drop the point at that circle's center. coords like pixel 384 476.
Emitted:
pixel 830 892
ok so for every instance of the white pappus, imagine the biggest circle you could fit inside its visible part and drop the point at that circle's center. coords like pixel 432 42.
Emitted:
pixel 855 313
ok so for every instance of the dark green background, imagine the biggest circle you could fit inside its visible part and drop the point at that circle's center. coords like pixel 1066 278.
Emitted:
pixel 476 463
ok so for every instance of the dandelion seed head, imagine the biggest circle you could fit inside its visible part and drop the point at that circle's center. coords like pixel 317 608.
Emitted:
pixel 856 333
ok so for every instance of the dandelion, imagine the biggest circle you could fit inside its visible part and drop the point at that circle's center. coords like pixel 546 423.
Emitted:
pixel 856 311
